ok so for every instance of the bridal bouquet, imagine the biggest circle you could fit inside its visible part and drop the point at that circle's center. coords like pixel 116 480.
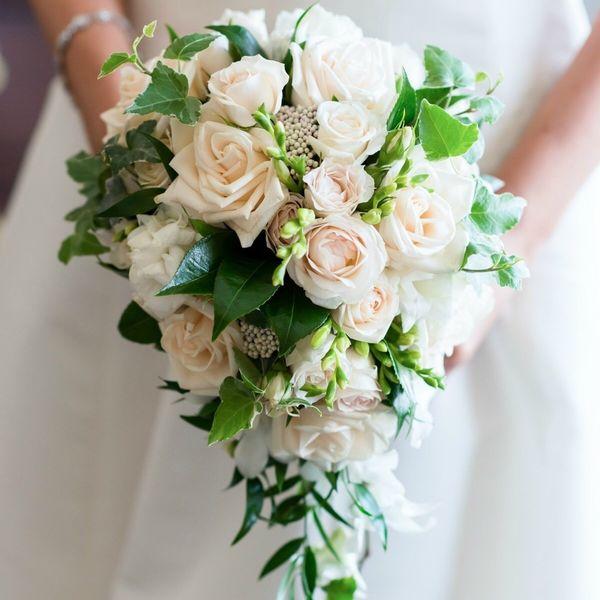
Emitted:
pixel 306 236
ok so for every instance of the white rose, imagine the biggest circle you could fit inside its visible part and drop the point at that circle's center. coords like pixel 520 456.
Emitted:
pixel 151 174
pixel 115 239
pixel 197 363
pixel 337 189
pixel 253 21
pixel 157 248
pixel 225 177
pixel 369 319
pixel 400 513
pixel 239 90
pixel 334 436
pixel 360 70
pixel 208 61
pixel 362 392
pixel 348 132
pixel 421 234
pixel 344 258
pixel 317 23
pixel 287 211
pixel 406 58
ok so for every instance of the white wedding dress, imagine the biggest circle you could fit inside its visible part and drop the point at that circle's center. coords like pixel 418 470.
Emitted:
pixel 105 494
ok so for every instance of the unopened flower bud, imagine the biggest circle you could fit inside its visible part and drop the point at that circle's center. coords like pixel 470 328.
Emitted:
pixel 290 229
pixel 387 208
pixel 361 348
pixel 279 275
pixel 373 217
pixel 330 393
pixel 305 216
pixel 320 335
pixel 342 343
pixel 283 252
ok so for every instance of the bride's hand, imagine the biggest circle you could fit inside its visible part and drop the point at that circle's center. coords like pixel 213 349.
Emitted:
pixel 84 56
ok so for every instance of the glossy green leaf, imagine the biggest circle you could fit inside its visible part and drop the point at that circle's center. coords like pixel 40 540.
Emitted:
pixel 241 41
pixel 309 572
pixel 243 284
pixel 167 94
pixel 138 203
pixel 445 70
pixel 324 504
pixel 136 325
pixel 405 108
pixel 205 417
pixel 442 135
pixel 254 504
pixel 281 556
pixel 292 316
pixel 249 372
pixel 186 47
pixel 235 413
pixel 341 589
pixel 198 269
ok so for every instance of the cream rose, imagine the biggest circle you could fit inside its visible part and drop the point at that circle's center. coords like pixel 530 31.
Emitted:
pixel 317 23
pixel 237 91
pixel 344 258
pixel 348 132
pixel 421 233
pixel 151 175
pixel 225 177
pixel 334 436
pixel 360 70
pixel 197 363
pixel 362 392
pixel 208 61
pixel 157 248
pixel 337 189
pixel 288 211
pixel 369 319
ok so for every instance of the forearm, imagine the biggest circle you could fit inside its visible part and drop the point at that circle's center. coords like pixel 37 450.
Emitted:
pixel 558 150
pixel 88 50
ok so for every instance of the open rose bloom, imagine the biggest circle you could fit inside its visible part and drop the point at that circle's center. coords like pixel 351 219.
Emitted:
pixel 306 235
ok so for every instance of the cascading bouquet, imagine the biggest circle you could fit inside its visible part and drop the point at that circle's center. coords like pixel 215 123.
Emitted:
pixel 306 234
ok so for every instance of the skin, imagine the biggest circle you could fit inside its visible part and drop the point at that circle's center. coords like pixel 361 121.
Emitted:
pixel 565 130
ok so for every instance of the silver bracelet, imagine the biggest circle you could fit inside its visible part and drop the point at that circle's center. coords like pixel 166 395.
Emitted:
pixel 81 23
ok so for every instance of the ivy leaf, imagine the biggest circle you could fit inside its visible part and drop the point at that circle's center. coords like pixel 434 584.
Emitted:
pixel 80 244
pixel 241 41
pixel 437 96
pixel 115 61
pixel 136 325
pixel 489 109
pixel 167 94
pixel 442 135
pixel 173 35
pixel 235 413
pixel 204 419
pixel 341 589
pixel 405 108
pixel 88 170
pixel 512 272
pixel 138 203
pixel 254 503
pixel 292 316
pixel 251 376
pixel 197 271
pixel 309 572
pixel 445 70
pixel 281 556
pixel 186 47
pixel 495 214
pixel 243 284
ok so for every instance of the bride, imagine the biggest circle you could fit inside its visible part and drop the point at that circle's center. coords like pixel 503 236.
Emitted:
pixel 107 495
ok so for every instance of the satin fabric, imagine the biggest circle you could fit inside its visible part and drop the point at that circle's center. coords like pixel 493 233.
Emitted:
pixel 107 495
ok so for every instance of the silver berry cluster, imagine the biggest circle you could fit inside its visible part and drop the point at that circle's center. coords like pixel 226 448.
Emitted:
pixel 258 342
pixel 300 124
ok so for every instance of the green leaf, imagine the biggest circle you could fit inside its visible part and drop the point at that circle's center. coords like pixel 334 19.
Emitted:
pixel 288 484
pixel 235 413
pixel 292 509
pixel 309 572
pixel 236 478
pixel 512 272
pixel 341 589
pixel 366 503
pixel 328 508
pixel 186 47
pixel 405 108
pixel 88 170
pixel 149 29
pixel 444 70
pixel 164 153
pixel 241 41
pixel 172 386
pixel 113 62
pixel 254 504
pixel 139 148
pixel 281 556
pixel 204 419
pixel 326 539
pixel 167 94
pixel 251 376
pixel 136 325
pixel 80 244
pixel 442 135
pixel 197 271
pixel 495 214
pixel 138 203
pixel 292 316
pixel 285 591
pixel 280 471
pixel 204 229
pixel 173 35
pixel 489 109
pixel 243 284
pixel 439 96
